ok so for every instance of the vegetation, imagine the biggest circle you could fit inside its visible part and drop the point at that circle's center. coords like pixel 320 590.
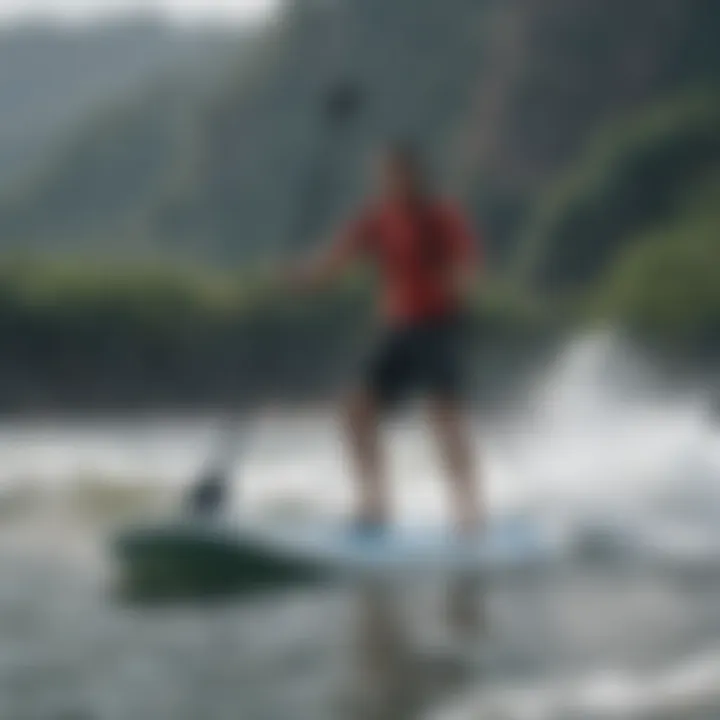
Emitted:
pixel 96 336
pixel 632 232
pixel 665 285
pixel 634 176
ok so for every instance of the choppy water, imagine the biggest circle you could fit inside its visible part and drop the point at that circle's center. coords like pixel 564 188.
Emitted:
pixel 625 624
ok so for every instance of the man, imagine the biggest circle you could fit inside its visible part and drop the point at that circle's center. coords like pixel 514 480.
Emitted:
pixel 428 263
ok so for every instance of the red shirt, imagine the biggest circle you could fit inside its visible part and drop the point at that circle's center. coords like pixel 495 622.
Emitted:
pixel 417 250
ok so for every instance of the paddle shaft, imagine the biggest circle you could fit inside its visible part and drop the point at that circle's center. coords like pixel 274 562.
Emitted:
pixel 340 106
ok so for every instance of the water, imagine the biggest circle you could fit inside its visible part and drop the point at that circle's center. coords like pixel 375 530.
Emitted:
pixel 624 624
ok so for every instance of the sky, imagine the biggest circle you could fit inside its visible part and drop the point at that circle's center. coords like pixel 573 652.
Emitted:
pixel 180 10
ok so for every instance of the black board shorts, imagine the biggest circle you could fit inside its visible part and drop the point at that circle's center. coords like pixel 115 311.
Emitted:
pixel 423 358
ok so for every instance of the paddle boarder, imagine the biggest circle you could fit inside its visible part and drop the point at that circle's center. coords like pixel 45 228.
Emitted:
pixel 428 261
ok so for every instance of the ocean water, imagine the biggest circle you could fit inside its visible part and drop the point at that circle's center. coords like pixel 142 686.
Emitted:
pixel 624 622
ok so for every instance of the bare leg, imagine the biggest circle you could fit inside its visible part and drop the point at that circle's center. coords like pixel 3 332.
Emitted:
pixel 466 608
pixel 363 431
pixel 456 447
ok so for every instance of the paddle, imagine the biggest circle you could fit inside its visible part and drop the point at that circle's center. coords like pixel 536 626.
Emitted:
pixel 340 105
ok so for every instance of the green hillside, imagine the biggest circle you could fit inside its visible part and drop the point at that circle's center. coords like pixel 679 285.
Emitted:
pixel 634 176
pixel 93 196
pixel 504 95
pixel 664 287
pixel 52 77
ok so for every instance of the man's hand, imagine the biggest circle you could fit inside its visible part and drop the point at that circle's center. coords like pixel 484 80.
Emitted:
pixel 294 278
pixel 321 270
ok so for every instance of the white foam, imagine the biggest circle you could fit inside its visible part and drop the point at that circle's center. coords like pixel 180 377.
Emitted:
pixel 690 686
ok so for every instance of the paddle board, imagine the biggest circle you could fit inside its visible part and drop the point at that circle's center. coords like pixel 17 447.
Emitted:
pixel 257 553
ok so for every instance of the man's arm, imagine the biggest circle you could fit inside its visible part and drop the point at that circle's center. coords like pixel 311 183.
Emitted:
pixel 326 266
pixel 333 260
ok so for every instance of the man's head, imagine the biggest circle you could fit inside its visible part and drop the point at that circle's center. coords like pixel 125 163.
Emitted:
pixel 402 173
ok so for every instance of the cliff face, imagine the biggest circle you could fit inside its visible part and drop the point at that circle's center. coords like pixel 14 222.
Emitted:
pixel 52 77
pixel 571 65
pixel 503 93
